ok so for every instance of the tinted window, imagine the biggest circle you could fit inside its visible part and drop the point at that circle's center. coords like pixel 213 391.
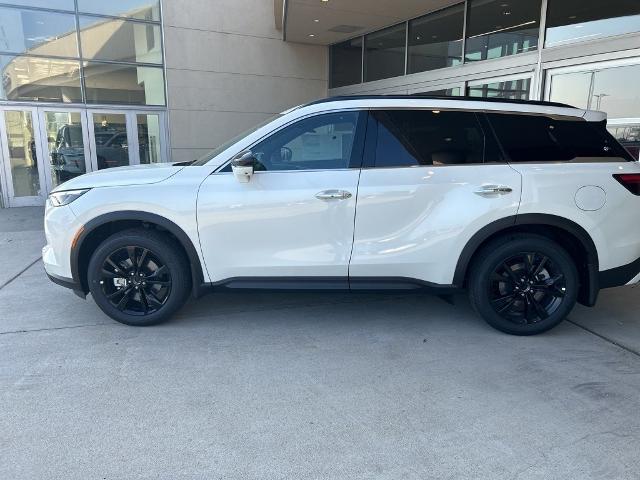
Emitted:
pixel 576 20
pixel 320 142
pixel 498 28
pixel 529 138
pixel 435 40
pixel 346 63
pixel 384 53
pixel 427 137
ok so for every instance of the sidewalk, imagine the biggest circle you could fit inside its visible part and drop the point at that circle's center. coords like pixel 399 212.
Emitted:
pixel 21 240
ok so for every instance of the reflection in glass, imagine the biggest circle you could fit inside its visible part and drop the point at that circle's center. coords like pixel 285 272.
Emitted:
pixel 110 134
pixel 116 83
pixel 498 28
pixel 23 159
pixel 614 90
pixel 39 79
pixel 510 89
pixel 65 145
pixel 628 136
pixel 576 20
pixel 149 137
pixel 140 9
pixel 346 63
pixel 38 33
pixel 384 53
pixel 446 92
pixel 435 40
pixel 119 40
pixel 53 4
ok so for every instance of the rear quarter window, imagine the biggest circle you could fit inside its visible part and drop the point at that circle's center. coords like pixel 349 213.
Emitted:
pixel 538 138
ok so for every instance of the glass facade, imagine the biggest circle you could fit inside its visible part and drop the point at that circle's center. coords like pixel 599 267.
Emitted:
pixel 384 53
pixel 435 40
pixel 607 89
pixel 114 57
pixel 346 63
pixel 571 21
pixel 498 28
pixel 518 89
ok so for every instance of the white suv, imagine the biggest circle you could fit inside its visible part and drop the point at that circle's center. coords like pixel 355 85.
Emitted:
pixel 529 206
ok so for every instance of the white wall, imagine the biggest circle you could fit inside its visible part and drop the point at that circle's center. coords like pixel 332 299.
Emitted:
pixel 228 69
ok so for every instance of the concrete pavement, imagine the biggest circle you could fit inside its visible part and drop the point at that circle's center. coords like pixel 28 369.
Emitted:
pixel 309 386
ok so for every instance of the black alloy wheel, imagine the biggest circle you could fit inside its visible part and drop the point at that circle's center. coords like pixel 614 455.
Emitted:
pixel 527 288
pixel 135 280
pixel 139 277
pixel 523 284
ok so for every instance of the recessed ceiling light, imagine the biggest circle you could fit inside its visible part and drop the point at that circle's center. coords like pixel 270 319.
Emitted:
pixel 316 20
pixel 506 13
pixel 325 1
pixel 311 35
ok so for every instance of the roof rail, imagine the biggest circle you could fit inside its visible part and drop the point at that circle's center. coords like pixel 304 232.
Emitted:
pixel 423 96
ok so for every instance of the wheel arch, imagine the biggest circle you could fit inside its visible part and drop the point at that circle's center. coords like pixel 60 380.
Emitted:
pixel 99 228
pixel 561 230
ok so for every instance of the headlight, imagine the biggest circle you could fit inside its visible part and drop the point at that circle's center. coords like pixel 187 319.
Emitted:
pixel 58 199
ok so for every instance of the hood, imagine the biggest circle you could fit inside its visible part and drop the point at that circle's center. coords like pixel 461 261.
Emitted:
pixel 123 176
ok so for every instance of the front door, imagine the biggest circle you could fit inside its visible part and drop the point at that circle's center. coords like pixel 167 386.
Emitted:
pixel 24 179
pixel 294 218
pixel 432 180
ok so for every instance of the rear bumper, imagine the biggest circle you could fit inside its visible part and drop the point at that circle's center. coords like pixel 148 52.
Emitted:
pixel 623 275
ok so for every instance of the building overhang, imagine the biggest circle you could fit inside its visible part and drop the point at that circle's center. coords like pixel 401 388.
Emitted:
pixel 323 22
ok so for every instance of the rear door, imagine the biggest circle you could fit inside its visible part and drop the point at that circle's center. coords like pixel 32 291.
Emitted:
pixel 431 179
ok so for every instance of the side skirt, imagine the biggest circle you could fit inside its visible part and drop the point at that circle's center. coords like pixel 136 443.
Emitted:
pixel 329 284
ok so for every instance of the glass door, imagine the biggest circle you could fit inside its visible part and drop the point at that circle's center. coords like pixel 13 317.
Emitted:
pixel 110 138
pixel 119 138
pixel 65 141
pixel 23 174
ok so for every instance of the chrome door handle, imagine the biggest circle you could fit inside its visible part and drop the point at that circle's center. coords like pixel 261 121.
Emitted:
pixel 493 190
pixel 333 195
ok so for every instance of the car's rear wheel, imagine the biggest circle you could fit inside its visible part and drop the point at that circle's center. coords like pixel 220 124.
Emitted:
pixel 139 277
pixel 523 284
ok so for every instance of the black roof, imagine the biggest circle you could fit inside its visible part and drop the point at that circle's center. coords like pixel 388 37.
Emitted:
pixel 439 97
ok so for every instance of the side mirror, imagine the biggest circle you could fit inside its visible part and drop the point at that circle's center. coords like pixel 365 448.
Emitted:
pixel 242 165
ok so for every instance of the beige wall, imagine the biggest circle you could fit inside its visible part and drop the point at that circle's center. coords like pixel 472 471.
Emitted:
pixel 228 69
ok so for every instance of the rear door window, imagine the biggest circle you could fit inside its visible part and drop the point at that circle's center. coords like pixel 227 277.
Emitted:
pixel 407 138
pixel 538 138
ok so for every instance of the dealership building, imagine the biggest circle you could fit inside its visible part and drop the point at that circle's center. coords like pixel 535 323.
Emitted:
pixel 93 84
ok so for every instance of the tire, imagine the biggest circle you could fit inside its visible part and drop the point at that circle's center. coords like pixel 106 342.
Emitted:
pixel 156 285
pixel 536 295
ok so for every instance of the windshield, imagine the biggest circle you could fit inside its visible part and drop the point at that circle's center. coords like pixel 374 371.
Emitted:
pixel 216 151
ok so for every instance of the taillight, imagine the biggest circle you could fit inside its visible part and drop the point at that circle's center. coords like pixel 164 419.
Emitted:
pixel 630 181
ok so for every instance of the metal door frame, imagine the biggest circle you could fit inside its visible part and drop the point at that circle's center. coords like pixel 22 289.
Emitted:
pixel 45 141
pixel 8 193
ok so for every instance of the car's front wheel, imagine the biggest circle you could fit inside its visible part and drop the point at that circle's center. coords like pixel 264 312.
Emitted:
pixel 139 277
pixel 523 284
